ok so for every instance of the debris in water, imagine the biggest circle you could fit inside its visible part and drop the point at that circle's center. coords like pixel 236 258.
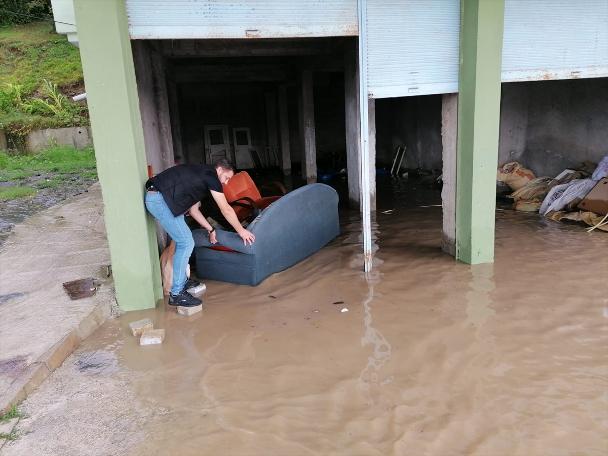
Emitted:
pixel 139 326
pixel 152 337
pixel 343 309
pixel 271 296
pixel 338 302
pixel 316 310
pixel 388 211
pixel 81 288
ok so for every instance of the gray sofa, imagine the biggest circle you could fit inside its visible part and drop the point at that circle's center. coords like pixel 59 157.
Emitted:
pixel 286 232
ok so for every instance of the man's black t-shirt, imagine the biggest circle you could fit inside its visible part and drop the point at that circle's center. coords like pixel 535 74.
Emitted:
pixel 184 185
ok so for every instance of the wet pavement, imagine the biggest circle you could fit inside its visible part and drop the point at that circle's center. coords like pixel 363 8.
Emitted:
pixel 433 357
pixel 16 211
pixel 39 324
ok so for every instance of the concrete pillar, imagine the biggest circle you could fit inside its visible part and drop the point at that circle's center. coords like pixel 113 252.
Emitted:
pixel 481 34
pixel 307 127
pixel 449 130
pixel 353 125
pixel 284 127
pixel 176 126
pixel 154 106
pixel 371 112
pixel 271 126
pixel 159 70
pixel 107 61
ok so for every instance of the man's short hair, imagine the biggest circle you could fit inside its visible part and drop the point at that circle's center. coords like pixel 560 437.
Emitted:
pixel 224 163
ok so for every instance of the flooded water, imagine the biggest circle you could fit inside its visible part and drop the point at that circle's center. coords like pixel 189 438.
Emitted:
pixel 432 357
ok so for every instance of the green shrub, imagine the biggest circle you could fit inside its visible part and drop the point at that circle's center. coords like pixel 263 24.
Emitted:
pixel 24 11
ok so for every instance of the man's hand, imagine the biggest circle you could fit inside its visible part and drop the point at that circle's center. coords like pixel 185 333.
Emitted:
pixel 213 237
pixel 247 236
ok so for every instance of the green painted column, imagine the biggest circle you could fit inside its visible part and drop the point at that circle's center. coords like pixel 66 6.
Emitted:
pixel 107 61
pixel 481 33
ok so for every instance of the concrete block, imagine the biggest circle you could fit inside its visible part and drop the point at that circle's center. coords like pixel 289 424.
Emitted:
pixel 152 337
pixel 139 326
pixel 187 311
pixel 201 288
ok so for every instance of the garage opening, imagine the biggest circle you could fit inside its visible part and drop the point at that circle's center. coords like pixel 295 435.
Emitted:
pixel 275 108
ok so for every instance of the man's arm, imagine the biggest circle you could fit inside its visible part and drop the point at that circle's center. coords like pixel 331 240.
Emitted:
pixel 197 215
pixel 230 216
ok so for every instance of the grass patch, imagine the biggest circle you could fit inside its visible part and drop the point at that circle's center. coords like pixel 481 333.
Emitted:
pixel 11 414
pixel 32 52
pixel 60 159
pixel 13 435
pixel 53 182
pixel 11 193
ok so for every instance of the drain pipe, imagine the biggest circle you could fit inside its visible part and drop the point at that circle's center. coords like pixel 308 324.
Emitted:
pixel 82 96
pixel 364 139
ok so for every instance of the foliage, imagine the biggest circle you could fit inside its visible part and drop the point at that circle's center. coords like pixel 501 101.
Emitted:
pixel 11 193
pixel 24 11
pixel 60 159
pixel 12 413
pixel 37 68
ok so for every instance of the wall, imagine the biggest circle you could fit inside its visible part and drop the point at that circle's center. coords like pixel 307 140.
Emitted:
pixel 414 122
pixel 563 123
pixel 235 105
pixel 546 125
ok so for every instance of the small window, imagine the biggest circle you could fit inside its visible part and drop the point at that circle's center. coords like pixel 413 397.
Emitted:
pixel 241 138
pixel 216 137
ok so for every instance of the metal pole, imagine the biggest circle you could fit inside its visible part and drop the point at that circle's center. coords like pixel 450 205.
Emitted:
pixel 366 224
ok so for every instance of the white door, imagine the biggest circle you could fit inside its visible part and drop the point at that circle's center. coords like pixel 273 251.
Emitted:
pixel 242 147
pixel 217 143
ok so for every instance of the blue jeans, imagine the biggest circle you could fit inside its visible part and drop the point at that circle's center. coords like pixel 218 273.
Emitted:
pixel 178 230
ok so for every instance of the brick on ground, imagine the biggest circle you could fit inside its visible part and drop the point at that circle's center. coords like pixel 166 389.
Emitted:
pixel 139 326
pixel 187 311
pixel 152 337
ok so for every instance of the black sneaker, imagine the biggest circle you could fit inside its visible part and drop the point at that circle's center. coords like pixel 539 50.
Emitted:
pixel 190 283
pixel 184 299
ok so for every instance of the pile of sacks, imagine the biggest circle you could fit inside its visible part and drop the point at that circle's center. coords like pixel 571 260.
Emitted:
pixel 561 197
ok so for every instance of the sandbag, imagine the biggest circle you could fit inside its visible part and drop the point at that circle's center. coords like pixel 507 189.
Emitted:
pixel 561 196
pixel 535 190
pixel 514 175
pixel 601 171
pixel 166 267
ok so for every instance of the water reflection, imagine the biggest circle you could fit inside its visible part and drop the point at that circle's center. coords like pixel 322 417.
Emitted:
pixel 479 295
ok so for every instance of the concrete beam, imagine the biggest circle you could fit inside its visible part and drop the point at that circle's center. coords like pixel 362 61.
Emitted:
pixel 284 128
pixel 481 34
pixel 107 61
pixel 352 125
pixel 449 131
pixel 250 48
pixel 307 127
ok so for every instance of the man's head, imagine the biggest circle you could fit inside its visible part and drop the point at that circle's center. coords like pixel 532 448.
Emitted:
pixel 224 170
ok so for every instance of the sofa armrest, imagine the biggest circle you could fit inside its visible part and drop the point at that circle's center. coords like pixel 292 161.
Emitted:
pixel 224 238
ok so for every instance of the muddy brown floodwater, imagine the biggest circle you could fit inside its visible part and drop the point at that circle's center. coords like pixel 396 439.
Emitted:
pixel 433 357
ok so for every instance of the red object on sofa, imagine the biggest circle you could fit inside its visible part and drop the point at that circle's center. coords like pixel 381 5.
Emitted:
pixel 244 197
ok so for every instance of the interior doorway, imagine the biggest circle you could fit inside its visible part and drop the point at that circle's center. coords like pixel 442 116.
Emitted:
pixel 217 143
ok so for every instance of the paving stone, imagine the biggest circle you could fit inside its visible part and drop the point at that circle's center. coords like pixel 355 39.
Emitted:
pixel 187 311
pixel 152 337
pixel 139 326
